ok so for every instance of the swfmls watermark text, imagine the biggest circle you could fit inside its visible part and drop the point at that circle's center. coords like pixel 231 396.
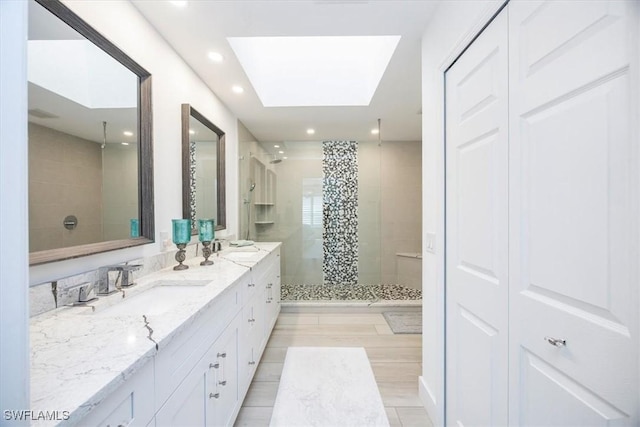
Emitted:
pixel 33 415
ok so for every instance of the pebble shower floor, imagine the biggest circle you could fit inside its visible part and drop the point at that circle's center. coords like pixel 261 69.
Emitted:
pixel 359 292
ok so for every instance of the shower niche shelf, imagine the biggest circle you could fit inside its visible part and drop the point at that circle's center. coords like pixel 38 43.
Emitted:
pixel 265 198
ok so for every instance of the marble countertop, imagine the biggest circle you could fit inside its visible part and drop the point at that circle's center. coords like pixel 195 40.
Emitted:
pixel 79 355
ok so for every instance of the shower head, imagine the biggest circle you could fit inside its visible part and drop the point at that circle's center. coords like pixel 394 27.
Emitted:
pixel 275 161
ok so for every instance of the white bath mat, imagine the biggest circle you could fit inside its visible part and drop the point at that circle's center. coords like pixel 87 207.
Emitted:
pixel 328 387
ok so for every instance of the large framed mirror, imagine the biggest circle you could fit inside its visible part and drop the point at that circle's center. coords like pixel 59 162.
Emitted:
pixel 203 169
pixel 90 140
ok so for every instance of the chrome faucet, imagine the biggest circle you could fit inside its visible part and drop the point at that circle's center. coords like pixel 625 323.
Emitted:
pixel 106 286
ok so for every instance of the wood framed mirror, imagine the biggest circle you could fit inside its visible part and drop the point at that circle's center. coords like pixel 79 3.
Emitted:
pixel 90 140
pixel 203 169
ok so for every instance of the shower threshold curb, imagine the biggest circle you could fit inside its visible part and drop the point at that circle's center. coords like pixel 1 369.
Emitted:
pixel 350 306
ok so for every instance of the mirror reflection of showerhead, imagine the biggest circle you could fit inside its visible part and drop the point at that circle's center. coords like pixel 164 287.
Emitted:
pixel 253 187
pixel 104 135
pixel 275 159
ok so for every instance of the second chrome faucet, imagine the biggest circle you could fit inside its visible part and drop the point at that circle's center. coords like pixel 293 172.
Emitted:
pixel 106 286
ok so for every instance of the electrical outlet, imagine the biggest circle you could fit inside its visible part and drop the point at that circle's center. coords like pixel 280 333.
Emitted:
pixel 164 240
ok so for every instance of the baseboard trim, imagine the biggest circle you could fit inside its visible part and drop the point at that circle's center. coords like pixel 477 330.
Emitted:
pixel 429 401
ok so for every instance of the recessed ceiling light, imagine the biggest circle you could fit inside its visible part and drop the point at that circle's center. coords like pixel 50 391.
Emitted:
pixel 276 146
pixel 179 3
pixel 281 152
pixel 237 89
pixel 375 131
pixel 124 143
pixel 321 70
pixel 311 131
pixel 127 133
pixel 285 158
pixel 215 57
pixel 192 132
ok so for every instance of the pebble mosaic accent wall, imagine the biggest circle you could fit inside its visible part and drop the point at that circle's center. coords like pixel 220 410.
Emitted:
pixel 358 292
pixel 340 212
pixel 192 183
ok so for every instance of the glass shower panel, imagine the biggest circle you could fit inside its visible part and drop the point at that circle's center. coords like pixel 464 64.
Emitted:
pixel 369 213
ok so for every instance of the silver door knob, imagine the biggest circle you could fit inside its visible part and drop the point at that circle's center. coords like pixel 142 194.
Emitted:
pixel 555 342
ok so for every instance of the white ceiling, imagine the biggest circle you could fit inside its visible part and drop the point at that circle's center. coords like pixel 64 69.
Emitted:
pixel 203 26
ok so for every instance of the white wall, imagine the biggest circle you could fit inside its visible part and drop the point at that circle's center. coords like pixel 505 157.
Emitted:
pixel 451 28
pixel 174 83
pixel 14 313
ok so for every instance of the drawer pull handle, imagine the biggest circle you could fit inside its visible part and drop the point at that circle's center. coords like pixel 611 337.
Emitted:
pixel 214 396
pixel 269 301
pixel 251 320
pixel 251 285
pixel 214 365
pixel 252 363
pixel 555 342
pixel 223 355
pixel 222 383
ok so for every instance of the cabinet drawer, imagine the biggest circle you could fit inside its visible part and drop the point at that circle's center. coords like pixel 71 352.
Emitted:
pixel 130 405
pixel 174 362
pixel 248 288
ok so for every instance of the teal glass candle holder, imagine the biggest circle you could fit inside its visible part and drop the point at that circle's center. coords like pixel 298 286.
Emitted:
pixel 181 235
pixel 205 233
pixel 135 227
pixel 181 231
pixel 205 229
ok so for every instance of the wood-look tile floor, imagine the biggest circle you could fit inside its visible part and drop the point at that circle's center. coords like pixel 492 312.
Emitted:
pixel 395 360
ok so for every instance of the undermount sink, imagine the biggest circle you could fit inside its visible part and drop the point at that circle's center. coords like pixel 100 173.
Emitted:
pixel 179 282
pixel 241 255
pixel 160 298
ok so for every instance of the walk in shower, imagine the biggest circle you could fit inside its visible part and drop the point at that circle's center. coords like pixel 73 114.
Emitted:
pixel 343 210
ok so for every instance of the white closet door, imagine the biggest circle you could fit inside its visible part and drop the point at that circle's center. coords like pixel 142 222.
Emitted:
pixel 476 215
pixel 574 220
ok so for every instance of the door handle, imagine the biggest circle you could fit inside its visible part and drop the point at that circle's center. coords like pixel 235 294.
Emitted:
pixel 555 342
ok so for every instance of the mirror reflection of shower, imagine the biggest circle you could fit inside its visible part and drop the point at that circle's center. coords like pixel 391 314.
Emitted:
pixel 247 201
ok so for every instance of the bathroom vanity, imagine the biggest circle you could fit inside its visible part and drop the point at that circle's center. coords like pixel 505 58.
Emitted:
pixel 180 348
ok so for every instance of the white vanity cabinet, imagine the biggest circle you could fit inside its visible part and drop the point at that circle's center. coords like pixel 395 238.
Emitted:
pixel 272 297
pixel 251 332
pixel 130 405
pixel 208 396
pixel 178 358
pixel 262 296
pixel 204 365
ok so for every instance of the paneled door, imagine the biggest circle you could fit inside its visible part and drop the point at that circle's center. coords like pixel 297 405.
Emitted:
pixel 476 231
pixel 574 220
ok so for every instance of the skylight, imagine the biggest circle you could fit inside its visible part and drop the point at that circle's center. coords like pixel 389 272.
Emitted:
pixel 314 71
